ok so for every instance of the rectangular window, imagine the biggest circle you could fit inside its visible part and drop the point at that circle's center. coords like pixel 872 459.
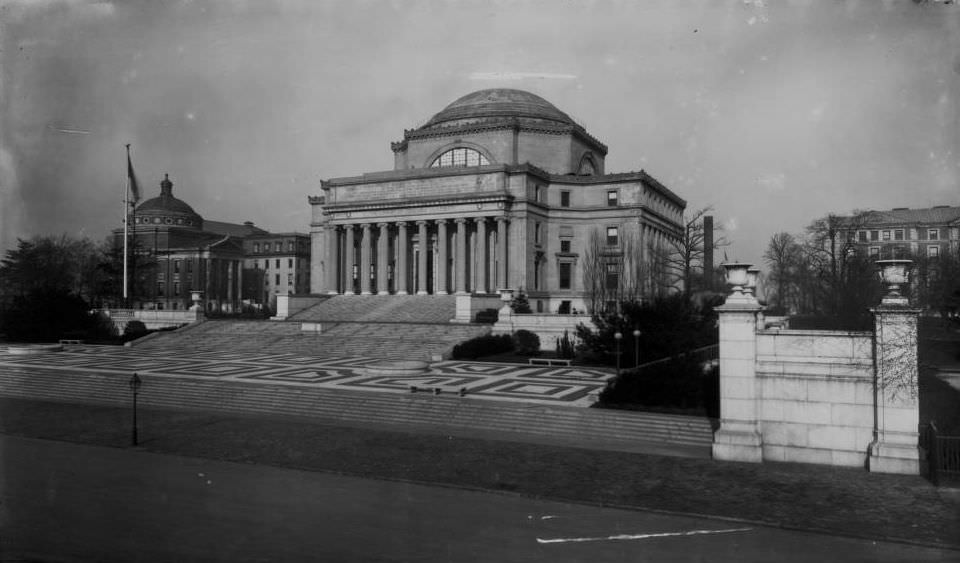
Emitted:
pixel 933 234
pixel 290 246
pixel 277 261
pixel 161 288
pixel 256 265
pixel 256 247
pixel 565 275
pixel 289 279
pixel 933 251
pixel 536 233
pixel 886 235
pixel 266 264
pixel 278 246
pixel 874 251
pixel 898 234
pixel 613 276
pixel 613 236
pixel 565 246
pixel 539 192
pixel 189 266
pixel 161 276
pixel 176 288
pixel 613 199
pixel 564 199
pixel 277 279
pixel 290 262
pixel 874 235
pixel 862 236
pixel 176 266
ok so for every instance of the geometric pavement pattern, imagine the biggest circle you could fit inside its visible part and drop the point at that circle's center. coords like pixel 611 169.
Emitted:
pixel 494 381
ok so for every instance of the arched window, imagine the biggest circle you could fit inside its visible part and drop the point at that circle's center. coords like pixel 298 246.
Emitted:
pixel 460 157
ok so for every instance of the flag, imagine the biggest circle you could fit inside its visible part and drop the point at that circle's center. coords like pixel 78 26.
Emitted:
pixel 132 178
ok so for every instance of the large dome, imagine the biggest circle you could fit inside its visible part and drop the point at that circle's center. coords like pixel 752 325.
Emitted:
pixel 497 104
pixel 167 210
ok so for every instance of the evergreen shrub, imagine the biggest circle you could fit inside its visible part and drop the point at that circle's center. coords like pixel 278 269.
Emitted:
pixel 485 345
pixel 526 343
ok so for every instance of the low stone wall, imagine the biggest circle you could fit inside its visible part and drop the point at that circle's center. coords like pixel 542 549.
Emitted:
pixel 548 327
pixel 816 396
pixel 289 305
pixel 152 319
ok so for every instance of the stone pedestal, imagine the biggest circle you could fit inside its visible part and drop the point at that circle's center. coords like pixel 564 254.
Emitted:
pixel 738 438
pixel 895 448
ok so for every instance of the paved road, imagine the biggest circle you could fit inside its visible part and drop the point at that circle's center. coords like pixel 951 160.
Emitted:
pixel 68 502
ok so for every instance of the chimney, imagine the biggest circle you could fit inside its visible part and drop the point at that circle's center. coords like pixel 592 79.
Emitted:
pixel 708 252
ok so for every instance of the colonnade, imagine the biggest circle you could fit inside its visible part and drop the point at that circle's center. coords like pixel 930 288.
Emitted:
pixel 437 256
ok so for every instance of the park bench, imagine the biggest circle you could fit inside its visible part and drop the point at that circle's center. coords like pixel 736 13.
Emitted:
pixel 549 362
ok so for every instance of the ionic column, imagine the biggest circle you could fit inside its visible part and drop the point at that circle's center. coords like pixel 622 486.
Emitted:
pixel 481 254
pixel 502 280
pixel 348 287
pixel 400 275
pixel 422 263
pixel 383 259
pixel 333 260
pixel 365 259
pixel 461 258
pixel 441 288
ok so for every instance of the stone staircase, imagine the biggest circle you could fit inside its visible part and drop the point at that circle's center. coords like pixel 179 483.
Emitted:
pixel 441 415
pixel 422 309
pixel 371 340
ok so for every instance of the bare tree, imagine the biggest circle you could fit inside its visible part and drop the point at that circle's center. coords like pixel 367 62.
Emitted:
pixel 685 261
pixel 784 257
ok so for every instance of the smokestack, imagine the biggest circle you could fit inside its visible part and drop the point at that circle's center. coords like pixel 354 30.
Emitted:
pixel 708 252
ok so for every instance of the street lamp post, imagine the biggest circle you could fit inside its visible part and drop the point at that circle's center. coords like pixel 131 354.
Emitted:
pixel 636 349
pixel 135 383
pixel 618 336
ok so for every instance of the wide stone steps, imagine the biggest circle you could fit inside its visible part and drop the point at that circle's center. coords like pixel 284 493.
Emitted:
pixel 448 414
pixel 382 309
pixel 374 340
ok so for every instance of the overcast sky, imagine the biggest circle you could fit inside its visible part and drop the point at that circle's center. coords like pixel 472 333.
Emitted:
pixel 774 113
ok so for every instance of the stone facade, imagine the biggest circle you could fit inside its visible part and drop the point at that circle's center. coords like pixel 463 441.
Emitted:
pixel 499 190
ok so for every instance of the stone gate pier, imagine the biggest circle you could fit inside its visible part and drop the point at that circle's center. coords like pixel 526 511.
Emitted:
pixel 832 397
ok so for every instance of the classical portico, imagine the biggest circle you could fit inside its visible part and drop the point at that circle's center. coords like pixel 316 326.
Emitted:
pixel 426 256
pixel 500 190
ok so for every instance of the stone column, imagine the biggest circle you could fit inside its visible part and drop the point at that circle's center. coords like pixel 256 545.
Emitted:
pixel 895 448
pixel 230 264
pixel 502 279
pixel 481 255
pixel 332 266
pixel 348 287
pixel 422 263
pixel 365 262
pixel 383 259
pixel 461 258
pixel 738 438
pixel 400 275
pixel 442 261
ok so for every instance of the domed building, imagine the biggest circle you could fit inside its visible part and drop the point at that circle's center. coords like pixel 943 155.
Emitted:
pixel 177 252
pixel 499 190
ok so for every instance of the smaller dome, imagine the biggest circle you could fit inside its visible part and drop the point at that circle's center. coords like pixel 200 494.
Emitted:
pixel 167 210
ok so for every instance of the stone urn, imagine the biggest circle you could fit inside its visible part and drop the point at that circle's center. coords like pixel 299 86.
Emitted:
pixel 737 276
pixel 195 296
pixel 506 295
pixel 893 274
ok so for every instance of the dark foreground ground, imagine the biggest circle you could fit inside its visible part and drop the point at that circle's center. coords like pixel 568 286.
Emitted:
pixel 815 498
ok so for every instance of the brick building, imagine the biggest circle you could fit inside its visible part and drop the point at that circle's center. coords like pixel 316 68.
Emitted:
pixel 499 190
pixel 276 264
pixel 903 232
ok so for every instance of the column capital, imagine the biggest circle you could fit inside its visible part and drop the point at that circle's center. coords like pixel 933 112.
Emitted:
pixel 501 219
pixel 401 224
pixel 460 220
pixel 441 221
pixel 383 225
pixel 365 226
pixel 479 220
pixel 422 222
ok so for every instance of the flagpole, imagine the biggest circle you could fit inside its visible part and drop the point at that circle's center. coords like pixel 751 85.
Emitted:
pixel 126 235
